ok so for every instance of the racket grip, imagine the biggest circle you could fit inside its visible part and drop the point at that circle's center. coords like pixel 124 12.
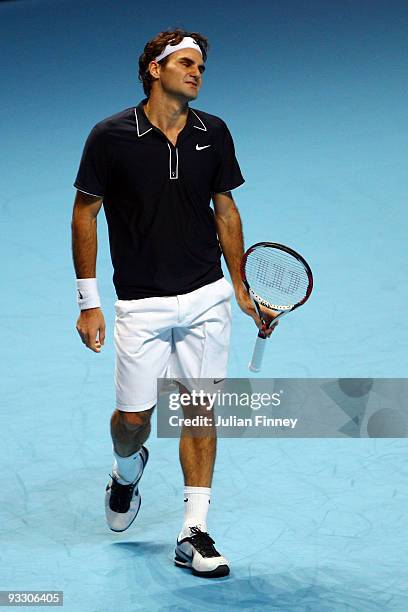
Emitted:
pixel 257 356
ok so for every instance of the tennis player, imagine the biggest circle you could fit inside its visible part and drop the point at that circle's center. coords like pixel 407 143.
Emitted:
pixel 156 168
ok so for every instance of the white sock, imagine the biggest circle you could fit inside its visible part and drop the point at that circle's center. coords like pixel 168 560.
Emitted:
pixel 127 469
pixel 196 505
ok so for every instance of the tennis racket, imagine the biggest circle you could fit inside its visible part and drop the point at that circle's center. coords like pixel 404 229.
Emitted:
pixel 276 277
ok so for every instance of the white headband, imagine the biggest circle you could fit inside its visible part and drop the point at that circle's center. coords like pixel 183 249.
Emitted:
pixel 187 43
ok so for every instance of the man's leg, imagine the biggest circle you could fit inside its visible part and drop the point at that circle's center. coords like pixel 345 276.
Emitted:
pixel 143 347
pixel 195 548
pixel 201 353
pixel 197 452
pixel 129 431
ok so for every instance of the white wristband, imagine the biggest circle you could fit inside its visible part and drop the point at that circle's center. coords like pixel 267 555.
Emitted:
pixel 87 292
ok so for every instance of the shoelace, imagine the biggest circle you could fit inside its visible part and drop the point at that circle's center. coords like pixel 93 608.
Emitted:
pixel 121 495
pixel 203 543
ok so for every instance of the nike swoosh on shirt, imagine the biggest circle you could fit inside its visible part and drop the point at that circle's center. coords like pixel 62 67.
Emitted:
pixel 198 148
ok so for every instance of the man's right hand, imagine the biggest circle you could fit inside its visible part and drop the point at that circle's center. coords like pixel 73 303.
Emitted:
pixel 91 328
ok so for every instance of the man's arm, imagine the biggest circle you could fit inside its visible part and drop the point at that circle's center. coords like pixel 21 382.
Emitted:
pixel 91 323
pixel 229 230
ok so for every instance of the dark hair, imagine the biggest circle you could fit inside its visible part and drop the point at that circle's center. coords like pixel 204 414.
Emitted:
pixel 156 45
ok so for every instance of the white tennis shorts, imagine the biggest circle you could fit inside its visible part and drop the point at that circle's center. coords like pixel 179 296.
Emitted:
pixel 185 336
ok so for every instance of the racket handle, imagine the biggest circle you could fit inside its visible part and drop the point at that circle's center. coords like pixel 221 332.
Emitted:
pixel 257 356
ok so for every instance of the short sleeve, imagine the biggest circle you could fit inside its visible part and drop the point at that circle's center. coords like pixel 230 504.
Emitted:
pixel 228 175
pixel 93 170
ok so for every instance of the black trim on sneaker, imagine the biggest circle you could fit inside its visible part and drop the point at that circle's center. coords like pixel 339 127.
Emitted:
pixel 219 572
pixel 202 542
pixel 144 459
pixel 121 495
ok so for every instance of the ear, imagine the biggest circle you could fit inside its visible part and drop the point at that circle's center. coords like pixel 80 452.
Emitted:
pixel 154 69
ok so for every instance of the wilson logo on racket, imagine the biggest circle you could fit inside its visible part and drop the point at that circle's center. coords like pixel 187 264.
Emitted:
pixel 277 278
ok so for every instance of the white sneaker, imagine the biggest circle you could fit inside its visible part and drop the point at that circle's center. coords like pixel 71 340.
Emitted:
pixel 122 502
pixel 197 553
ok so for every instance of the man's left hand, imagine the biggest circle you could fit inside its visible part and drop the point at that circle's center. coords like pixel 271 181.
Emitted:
pixel 247 306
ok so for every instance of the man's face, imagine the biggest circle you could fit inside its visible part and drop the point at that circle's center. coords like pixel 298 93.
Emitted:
pixel 182 75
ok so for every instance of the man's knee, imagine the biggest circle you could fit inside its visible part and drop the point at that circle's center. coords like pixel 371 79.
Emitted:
pixel 132 421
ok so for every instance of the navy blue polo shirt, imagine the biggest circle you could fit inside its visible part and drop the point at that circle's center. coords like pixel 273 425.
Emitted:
pixel 157 197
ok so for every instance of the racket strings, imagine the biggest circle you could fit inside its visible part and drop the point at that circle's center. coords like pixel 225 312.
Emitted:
pixel 276 276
